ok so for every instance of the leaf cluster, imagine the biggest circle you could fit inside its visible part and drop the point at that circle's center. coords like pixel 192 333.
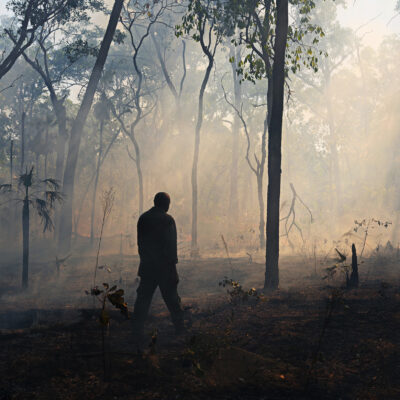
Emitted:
pixel 80 47
pixel 252 23
pixel 43 201
pixel 366 223
pixel 237 293
pixel 112 295
pixel 42 11
pixel 198 14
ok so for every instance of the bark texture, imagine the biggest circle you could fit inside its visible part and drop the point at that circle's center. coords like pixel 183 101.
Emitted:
pixel 274 148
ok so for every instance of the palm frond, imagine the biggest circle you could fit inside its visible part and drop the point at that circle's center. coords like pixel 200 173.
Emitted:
pixel 53 183
pixel 5 187
pixel 26 179
pixel 43 211
pixel 52 196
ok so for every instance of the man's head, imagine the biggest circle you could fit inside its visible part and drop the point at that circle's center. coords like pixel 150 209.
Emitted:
pixel 162 200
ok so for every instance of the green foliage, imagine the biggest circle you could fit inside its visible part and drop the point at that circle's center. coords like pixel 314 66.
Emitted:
pixel 202 22
pixel 79 48
pixel 199 13
pixel 252 24
pixel 57 10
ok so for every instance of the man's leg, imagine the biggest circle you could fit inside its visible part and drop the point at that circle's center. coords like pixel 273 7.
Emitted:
pixel 145 293
pixel 169 291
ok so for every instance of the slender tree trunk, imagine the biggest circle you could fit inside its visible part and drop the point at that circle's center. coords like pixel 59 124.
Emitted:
pixel 96 181
pixel 11 160
pixel 25 240
pixel 233 198
pixel 139 171
pixel 19 45
pixel 46 151
pixel 65 225
pixel 261 165
pixel 82 200
pixel 274 148
pixel 22 141
pixel 61 115
pixel 194 244
pixel 260 196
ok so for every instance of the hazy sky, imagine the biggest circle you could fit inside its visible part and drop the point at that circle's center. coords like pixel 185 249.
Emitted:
pixel 377 14
pixel 357 13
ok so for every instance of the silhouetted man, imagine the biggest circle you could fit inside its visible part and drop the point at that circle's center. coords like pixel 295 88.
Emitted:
pixel 157 243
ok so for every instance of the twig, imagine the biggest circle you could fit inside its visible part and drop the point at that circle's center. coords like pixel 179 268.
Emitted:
pixel 292 213
pixel 108 202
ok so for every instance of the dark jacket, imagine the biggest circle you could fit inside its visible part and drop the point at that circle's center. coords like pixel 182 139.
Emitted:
pixel 157 243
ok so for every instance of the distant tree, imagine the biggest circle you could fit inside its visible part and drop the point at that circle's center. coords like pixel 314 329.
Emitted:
pixel 19 100
pixel 338 42
pixel 201 22
pixel 174 89
pixel 257 165
pixel 59 55
pixel 235 56
pixel 65 225
pixel 42 201
pixel 257 23
pixel 101 112
pixel 132 92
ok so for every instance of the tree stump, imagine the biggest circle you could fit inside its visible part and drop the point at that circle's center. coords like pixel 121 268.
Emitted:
pixel 354 268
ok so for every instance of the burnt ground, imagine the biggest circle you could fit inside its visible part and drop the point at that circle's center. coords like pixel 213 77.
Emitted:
pixel 310 340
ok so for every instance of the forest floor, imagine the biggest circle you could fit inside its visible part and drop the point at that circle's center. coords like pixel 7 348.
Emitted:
pixel 311 339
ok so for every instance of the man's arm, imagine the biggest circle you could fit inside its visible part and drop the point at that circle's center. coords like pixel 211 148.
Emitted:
pixel 140 236
pixel 172 243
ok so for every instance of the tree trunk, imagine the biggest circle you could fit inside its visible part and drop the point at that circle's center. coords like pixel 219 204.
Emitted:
pixel 274 148
pixel 233 198
pixel 46 151
pixel 65 225
pixel 61 115
pixel 96 181
pixel 22 141
pixel 261 209
pixel 11 160
pixel 194 244
pixel 139 171
pixel 354 267
pixel 7 62
pixel 82 200
pixel 25 241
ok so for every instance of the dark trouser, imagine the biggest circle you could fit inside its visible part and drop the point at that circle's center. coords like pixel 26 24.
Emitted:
pixel 168 287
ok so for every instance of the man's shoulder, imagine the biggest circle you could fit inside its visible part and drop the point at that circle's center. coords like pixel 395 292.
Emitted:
pixel 155 213
pixel 169 218
pixel 145 216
